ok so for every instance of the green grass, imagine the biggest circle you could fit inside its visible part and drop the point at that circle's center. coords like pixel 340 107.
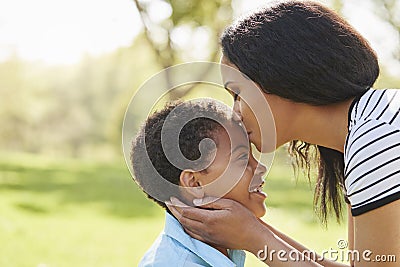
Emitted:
pixel 74 213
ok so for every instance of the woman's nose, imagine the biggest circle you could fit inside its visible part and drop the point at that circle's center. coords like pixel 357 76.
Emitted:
pixel 237 116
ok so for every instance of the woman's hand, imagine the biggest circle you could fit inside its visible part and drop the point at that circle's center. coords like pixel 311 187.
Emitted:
pixel 224 222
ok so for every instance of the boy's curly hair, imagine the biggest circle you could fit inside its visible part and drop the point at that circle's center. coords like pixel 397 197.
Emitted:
pixel 148 159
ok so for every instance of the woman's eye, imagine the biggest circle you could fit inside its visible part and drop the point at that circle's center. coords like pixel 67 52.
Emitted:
pixel 236 95
pixel 233 92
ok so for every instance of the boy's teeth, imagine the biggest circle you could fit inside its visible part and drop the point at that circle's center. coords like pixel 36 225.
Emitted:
pixel 257 189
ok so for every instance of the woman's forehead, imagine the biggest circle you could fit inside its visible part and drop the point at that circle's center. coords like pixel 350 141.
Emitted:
pixel 231 74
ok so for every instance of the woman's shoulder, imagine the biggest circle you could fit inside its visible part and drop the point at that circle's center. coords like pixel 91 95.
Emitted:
pixel 382 105
pixel 373 120
pixel 372 152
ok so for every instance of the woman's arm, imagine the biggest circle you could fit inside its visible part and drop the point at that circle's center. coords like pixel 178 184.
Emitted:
pixel 302 248
pixel 317 258
pixel 373 238
pixel 228 224
pixel 378 231
pixel 350 231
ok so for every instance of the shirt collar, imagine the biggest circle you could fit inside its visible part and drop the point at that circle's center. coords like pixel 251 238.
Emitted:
pixel 209 254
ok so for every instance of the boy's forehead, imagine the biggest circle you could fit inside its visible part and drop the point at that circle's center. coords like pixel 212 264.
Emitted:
pixel 233 136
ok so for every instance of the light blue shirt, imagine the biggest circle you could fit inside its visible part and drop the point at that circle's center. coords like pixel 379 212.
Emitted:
pixel 174 247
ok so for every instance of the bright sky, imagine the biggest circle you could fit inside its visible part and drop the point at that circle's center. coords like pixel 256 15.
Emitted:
pixel 61 31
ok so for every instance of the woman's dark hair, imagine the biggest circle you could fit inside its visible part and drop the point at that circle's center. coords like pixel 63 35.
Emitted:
pixel 305 52
pixel 198 120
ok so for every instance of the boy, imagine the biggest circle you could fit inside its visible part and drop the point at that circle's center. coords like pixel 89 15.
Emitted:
pixel 225 168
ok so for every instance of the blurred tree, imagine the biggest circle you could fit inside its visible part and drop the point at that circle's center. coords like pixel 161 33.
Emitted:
pixel 183 30
pixel 69 110
pixel 389 11
pixel 78 109
pixel 337 5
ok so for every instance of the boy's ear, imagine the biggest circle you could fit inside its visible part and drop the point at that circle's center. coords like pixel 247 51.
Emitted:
pixel 193 185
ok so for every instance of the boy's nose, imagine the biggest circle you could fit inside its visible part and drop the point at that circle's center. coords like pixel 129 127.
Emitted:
pixel 258 174
pixel 261 169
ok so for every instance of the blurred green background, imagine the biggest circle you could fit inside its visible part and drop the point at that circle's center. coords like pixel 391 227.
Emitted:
pixel 66 196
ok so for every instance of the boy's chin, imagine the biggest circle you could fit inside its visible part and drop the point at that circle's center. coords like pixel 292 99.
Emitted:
pixel 260 213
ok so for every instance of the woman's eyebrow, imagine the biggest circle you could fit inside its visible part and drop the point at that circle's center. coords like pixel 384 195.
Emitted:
pixel 245 76
pixel 227 83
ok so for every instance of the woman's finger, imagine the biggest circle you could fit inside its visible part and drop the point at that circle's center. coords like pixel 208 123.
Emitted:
pixel 174 211
pixel 194 235
pixel 217 204
pixel 203 201
pixel 195 227
pixel 175 206
pixel 189 213
pixel 198 214
pixel 192 213
pixel 176 202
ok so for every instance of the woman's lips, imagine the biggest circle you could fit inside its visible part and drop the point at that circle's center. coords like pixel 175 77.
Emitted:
pixel 249 135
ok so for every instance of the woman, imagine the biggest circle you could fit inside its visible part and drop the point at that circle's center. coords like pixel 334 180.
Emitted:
pixel 316 73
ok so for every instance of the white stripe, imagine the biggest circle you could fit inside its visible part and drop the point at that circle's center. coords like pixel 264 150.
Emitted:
pixel 391 192
pixel 373 148
pixel 387 168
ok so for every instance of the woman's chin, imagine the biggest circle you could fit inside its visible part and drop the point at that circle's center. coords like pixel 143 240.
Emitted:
pixel 265 148
pixel 257 144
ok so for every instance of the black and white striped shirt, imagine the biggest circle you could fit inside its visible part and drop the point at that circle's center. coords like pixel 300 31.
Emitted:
pixel 372 151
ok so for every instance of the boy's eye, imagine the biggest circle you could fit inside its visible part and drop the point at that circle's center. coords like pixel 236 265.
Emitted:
pixel 244 156
pixel 235 96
